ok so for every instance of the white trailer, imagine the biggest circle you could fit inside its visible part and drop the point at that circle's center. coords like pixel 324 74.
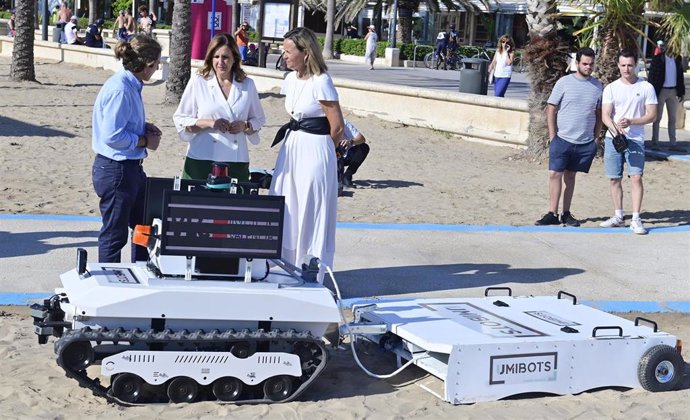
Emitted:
pixel 484 349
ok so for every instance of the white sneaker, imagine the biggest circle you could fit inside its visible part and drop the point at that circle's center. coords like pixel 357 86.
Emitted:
pixel 637 228
pixel 615 221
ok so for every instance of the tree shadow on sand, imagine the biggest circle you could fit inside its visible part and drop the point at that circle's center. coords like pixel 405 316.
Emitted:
pixel 388 281
pixel 39 243
pixel 377 184
pixel 9 127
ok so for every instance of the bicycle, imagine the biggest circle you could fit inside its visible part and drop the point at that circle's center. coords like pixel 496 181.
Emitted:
pixel 519 64
pixel 449 58
pixel 280 63
pixel 480 53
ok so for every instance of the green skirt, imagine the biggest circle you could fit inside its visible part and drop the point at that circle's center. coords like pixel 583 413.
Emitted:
pixel 199 169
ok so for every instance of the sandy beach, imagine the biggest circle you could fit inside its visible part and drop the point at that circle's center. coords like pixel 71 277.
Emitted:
pixel 412 175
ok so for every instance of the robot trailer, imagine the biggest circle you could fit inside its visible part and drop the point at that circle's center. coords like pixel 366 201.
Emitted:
pixel 215 314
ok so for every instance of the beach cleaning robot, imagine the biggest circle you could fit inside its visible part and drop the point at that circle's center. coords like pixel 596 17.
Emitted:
pixel 214 314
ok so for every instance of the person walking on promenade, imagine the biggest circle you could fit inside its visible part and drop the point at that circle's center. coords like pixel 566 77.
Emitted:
pixel 242 40
pixel 370 54
pixel 129 23
pixel 666 75
pixel 65 13
pixel 121 137
pixel 628 104
pixel 219 111
pixel 306 169
pixel 573 115
pixel 502 65
pixel 145 22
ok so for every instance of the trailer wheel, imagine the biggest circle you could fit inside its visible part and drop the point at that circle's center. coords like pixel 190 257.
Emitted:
pixel 278 388
pixel 183 390
pixel 227 388
pixel 661 369
pixel 78 355
pixel 127 387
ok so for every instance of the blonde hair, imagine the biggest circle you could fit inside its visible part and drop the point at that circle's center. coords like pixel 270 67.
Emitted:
pixel 140 51
pixel 305 41
pixel 505 38
pixel 223 40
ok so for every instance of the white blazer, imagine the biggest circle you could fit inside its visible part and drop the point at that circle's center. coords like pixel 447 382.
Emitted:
pixel 203 99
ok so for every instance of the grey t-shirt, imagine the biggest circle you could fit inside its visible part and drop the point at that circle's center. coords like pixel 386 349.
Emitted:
pixel 577 101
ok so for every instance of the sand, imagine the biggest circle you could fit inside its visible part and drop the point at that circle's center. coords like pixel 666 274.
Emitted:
pixel 412 176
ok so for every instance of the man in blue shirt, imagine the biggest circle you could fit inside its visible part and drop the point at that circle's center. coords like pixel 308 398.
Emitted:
pixel 120 138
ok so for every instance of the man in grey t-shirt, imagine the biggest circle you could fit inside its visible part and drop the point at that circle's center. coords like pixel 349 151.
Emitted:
pixel 573 115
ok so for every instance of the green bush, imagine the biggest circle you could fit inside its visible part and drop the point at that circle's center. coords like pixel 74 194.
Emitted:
pixel 407 51
pixel 5 14
pixel 118 5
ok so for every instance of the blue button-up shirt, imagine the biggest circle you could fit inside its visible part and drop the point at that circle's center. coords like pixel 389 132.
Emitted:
pixel 119 118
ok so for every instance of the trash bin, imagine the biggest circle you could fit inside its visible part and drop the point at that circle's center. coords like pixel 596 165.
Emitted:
pixel 57 32
pixel 474 77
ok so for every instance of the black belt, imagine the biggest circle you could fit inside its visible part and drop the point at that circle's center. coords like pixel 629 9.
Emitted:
pixel 672 87
pixel 133 162
pixel 315 125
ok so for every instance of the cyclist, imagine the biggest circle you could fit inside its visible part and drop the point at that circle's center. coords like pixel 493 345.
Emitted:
pixel 452 38
pixel 441 44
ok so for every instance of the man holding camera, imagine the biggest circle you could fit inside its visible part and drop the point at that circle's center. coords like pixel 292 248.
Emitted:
pixel 573 115
pixel 242 40
pixel 627 105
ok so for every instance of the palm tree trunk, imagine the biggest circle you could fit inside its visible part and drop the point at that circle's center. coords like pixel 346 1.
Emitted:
pixel 93 10
pixel 547 60
pixel 180 52
pixel 405 33
pixel 22 67
pixel 330 28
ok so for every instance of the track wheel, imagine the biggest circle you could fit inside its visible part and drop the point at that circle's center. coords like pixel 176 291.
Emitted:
pixel 660 369
pixel 240 349
pixel 278 388
pixel 227 388
pixel 127 387
pixel 78 356
pixel 183 390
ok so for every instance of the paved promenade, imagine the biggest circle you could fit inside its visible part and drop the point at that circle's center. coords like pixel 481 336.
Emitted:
pixel 625 272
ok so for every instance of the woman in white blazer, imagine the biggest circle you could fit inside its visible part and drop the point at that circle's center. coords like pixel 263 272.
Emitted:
pixel 218 113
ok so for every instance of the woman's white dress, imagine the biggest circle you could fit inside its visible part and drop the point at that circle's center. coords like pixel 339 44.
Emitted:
pixel 370 53
pixel 306 175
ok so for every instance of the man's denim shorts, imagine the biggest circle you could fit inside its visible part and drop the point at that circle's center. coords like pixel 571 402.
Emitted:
pixel 613 161
pixel 573 157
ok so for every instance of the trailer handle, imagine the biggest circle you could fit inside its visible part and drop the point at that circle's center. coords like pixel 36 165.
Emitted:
pixel 639 318
pixel 561 293
pixel 620 330
pixel 489 289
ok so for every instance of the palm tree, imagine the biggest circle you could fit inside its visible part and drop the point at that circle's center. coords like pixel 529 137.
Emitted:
pixel 180 52
pixel 93 11
pixel 614 25
pixel 330 28
pixel 22 67
pixel 675 26
pixel 349 9
pixel 547 60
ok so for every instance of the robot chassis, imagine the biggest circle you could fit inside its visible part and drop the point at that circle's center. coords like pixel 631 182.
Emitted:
pixel 207 318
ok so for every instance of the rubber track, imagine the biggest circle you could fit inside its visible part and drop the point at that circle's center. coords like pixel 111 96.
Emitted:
pixel 194 338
